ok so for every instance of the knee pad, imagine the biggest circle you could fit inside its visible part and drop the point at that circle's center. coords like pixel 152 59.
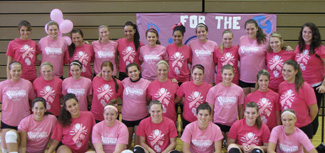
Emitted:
pixel 234 150
pixel 138 149
pixel 11 137
pixel 4 150
pixel 257 150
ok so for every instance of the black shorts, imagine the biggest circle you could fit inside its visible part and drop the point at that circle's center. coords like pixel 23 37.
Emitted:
pixel 6 126
pixel 223 128
pixel 60 144
pixel 132 123
pixel 246 85
pixel 184 123
pixel 308 130
pixel 122 76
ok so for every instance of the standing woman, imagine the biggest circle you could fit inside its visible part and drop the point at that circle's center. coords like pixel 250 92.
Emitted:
pixel 106 88
pixel 289 138
pixel 15 94
pixel 23 50
pixel 252 50
pixel 194 93
pixel 134 100
pixel 150 55
pixel 203 52
pixel 299 96
pixel 310 55
pixel 82 52
pixel 275 57
pixel 227 54
pixel 54 49
pixel 104 49
pixel 202 135
pixel 49 87
pixel 73 131
pixel 36 129
pixel 128 48
pixel 164 90
pixel 179 55
pixel 78 85
pixel 266 99
pixel 249 134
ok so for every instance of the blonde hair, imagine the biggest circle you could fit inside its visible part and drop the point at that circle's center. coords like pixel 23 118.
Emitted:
pixel 279 36
pixel 222 44
pixel 100 27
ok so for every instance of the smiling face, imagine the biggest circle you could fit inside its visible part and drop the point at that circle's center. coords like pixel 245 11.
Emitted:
pixel 38 111
pixel 152 38
pixel 275 44
pixel 156 113
pixel 307 35
pixel 107 73
pixel 251 30
pixel 53 31
pixel 15 71
pixel 227 76
pixel 24 33
pixel 197 76
pixel 72 106
pixel 288 121
pixel 201 33
pixel 227 40
pixel 75 71
pixel 133 73
pixel 129 32
pixel 103 34
pixel 162 71
pixel 203 117
pixel 47 72
pixel 251 115
pixel 178 38
pixel 289 73
pixel 263 83
pixel 110 116
pixel 77 39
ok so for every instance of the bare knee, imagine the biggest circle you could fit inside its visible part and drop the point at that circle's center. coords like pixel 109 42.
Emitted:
pixel 64 149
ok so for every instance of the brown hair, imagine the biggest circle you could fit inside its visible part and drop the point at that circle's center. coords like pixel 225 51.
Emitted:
pixel 260 35
pixel 299 80
pixel 259 74
pixel 258 119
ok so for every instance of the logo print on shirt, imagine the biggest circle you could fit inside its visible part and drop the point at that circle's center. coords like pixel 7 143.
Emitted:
pixel 156 139
pixel 287 98
pixel 302 59
pixel 133 91
pixel 227 102
pixel 105 92
pixel 128 55
pixel 265 108
pixel 248 50
pixel 83 58
pixel 48 94
pixel 178 61
pixel 276 64
pixel 16 94
pixel 151 58
pixel 202 53
pixel 108 140
pixel 53 51
pixel 288 148
pixel 36 135
pixel 105 54
pixel 249 139
pixel 79 133
pixel 195 100
pixel 28 53
pixel 202 142
pixel 228 58
pixel 163 95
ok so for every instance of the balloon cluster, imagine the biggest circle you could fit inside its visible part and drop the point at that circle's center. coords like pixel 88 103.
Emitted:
pixel 65 25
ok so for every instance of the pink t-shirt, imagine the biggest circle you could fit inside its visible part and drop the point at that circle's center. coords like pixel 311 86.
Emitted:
pixel 157 135
pixel 226 101
pixel 293 143
pixel 77 135
pixel 15 98
pixel 104 92
pixel 311 66
pixel 229 56
pixel 56 52
pixel 150 56
pixel 299 102
pixel 38 132
pixel 203 53
pixel 194 95
pixel 268 104
pixel 109 137
pixel 104 52
pixel 127 53
pixel 84 54
pixel 51 91
pixel 24 51
pixel 164 92
pixel 252 58
pixel 249 135
pixel 179 58
pixel 81 88
pixel 134 99
pixel 274 64
pixel 201 140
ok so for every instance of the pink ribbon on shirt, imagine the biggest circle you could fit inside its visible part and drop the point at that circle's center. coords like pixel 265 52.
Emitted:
pixel 249 141
pixel 194 101
pixel 28 53
pixel 103 93
pixel 48 97
pixel 227 61
pixel 128 55
pixel 283 102
pixel 75 138
pixel 83 58
pixel 302 58
pixel 162 98
pixel 156 140
pixel 275 64
pixel 263 108
pixel 177 62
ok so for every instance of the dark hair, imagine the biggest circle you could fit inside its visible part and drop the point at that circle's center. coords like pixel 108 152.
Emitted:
pixel 222 44
pixel 72 47
pixel 152 30
pixel 316 40
pixel 198 66
pixel 26 24
pixel 110 65
pixel 260 35
pixel 179 27
pixel 299 80
pixel 201 25
pixel 136 37
pixel 43 101
pixel 204 106
pixel 76 62
pixel 65 116
pixel 279 36
pixel 156 102
pixel 259 74
pixel 227 67
pixel 130 65
pixel 258 119
pixel 14 62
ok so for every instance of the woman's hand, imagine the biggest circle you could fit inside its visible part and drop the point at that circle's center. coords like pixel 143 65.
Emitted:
pixel 321 89
pixel 174 80
pixel 288 48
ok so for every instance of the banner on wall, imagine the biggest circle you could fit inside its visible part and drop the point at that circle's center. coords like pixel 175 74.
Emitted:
pixel 216 22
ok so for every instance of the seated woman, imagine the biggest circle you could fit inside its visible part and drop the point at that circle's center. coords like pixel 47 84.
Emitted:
pixel 288 138
pixel 36 129
pixel 202 135
pixel 249 135
pixel 157 133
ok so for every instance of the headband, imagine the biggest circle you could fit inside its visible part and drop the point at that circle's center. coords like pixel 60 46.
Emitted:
pixel 199 66
pixel 112 107
pixel 75 63
pixel 288 112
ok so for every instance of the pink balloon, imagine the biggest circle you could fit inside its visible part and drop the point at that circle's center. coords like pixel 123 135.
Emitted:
pixel 45 28
pixel 67 39
pixel 56 15
pixel 66 26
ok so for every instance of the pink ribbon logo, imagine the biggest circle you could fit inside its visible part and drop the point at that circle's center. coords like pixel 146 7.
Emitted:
pixel 128 52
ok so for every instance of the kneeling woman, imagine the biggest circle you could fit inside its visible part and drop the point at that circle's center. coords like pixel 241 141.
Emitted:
pixel 73 131
pixel 157 133
pixel 289 138
pixel 249 134
pixel 202 135
pixel 36 129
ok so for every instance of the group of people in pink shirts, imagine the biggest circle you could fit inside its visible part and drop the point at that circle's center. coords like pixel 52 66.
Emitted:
pixel 264 97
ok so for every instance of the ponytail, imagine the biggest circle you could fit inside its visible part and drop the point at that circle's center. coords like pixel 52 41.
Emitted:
pixel 136 37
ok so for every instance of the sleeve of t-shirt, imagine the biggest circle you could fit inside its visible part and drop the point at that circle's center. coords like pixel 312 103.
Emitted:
pixel 123 137
pixel 320 51
pixel 31 94
pixel 274 135
pixel 165 54
pixel 218 134
pixel 66 55
pixel 10 50
pixel 57 133
pixel 92 53
pixel 149 90
pixel 247 99
pixel 190 55
pixel 90 89
pixel 120 89
pixel 96 136
pixel 210 97
pixel 215 56
pixel 173 131
pixel 277 103
pixel 140 131
pixel 60 87
pixel 140 55
pixel 187 134
pixel 64 91
pixel 241 98
pixel 266 133
pixel 1 84
pixel 233 130
pixel 304 140
pixel 23 125
pixel 180 91
pixel 309 94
